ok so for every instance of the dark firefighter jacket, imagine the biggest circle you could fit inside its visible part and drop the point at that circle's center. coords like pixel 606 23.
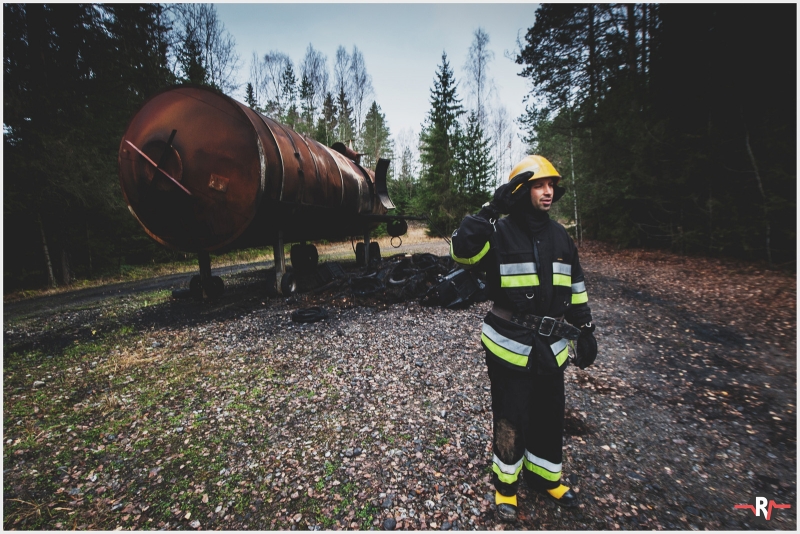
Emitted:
pixel 535 274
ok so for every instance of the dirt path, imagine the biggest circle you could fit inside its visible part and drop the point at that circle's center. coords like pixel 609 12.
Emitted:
pixel 414 242
pixel 140 411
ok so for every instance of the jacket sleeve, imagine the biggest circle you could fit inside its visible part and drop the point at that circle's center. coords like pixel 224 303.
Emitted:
pixel 579 312
pixel 470 241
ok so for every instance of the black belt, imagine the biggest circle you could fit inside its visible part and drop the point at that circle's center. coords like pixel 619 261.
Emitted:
pixel 546 326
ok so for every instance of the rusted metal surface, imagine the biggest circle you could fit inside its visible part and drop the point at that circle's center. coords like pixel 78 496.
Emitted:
pixel 201 172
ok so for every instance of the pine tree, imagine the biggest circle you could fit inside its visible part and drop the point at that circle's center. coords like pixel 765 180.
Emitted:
pixel 289 96
pixel 375 140
pixel 190 57
pixel 439 197
pixel 306 124
pixel 327 122
pixel 250 97
pixel 345 128
pixel 74 75
pixel 657 161
pixel 474 164
pixel 402 187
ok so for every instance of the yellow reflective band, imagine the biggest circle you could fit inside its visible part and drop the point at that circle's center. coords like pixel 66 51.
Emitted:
pixel 506 478
pixel 562 356
pixel 507 355
pixel 499 498
pixel 580 298
pixel 562 280
pixel 559 491
pixel 521 280
pixel 541 471
pixel 470 261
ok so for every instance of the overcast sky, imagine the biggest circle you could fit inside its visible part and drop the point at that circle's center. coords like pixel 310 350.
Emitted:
pixel 402 45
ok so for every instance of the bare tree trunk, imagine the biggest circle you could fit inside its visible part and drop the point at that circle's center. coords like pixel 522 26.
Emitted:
pixel 644 40
pixel 50 278
pixel 592 79
pixel 631 39
pixel 65 276
pixel 761 189
pixel 89 248
pixel 574 191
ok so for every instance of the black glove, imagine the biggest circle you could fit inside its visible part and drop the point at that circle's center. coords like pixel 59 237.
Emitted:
pixel 508 194
pixel 586 347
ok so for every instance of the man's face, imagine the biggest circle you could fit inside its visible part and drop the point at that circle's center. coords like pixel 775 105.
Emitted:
pixel 542 194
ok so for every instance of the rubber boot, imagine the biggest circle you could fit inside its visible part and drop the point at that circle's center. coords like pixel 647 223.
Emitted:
pixel 562 496
pixel 506 507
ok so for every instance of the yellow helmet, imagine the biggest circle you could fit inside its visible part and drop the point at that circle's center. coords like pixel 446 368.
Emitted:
pixel 539 167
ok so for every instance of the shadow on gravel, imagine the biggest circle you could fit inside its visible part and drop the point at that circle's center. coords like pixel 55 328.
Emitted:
pixel 700 359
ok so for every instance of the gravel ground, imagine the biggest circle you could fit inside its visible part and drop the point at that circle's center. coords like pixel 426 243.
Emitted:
pixel 141 411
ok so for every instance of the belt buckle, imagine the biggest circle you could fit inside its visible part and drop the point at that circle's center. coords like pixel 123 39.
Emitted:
pixel 552 326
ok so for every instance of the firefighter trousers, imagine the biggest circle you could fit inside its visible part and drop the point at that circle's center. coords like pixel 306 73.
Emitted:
pixel 528 421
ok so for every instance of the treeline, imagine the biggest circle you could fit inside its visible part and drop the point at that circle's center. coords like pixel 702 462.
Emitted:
pixel 74 75
pixel 447 171
pixel 326 105
pixel 673 125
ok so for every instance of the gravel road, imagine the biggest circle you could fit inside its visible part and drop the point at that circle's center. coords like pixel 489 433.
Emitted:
pixel 379 417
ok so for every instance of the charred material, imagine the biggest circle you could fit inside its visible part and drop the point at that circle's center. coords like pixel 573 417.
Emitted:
pixel 431 280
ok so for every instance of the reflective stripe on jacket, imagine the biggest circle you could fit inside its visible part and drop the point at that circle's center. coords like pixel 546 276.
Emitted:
pixel 538 275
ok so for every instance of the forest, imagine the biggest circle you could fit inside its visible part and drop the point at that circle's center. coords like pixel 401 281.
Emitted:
pixel 673 126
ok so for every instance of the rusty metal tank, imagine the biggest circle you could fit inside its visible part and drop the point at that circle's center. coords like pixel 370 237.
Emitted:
pixel 203 172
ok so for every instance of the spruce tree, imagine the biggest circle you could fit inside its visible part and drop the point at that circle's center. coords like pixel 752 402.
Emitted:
pixel 345 128
pixel 288 84
pixel 402 186
pixel 250 97
pixel 438 197
pixel 375 140
pixel 306 123
pixel 474 164
pixel 327 122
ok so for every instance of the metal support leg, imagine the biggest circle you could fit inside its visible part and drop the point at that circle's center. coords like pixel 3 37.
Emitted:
pixel 280 262
pixel 366 247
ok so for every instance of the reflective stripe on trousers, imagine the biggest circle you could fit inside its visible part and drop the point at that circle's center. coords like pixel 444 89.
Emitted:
pixel 560 351
pixel 543 468
pixel 506 473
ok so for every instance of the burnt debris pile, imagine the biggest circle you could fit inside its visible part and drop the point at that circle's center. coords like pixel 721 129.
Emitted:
pixel 430 279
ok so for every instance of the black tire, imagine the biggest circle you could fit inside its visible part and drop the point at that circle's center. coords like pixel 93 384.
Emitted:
pixel 313 257
pixel 217 288
pixel 297 255
pixel 272 286
pixel 288 284
pixel 374 252
pixel 360 254
pixel 196 287
pixel 309 315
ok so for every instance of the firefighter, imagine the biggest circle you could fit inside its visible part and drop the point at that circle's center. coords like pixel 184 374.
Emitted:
pixel 540 305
